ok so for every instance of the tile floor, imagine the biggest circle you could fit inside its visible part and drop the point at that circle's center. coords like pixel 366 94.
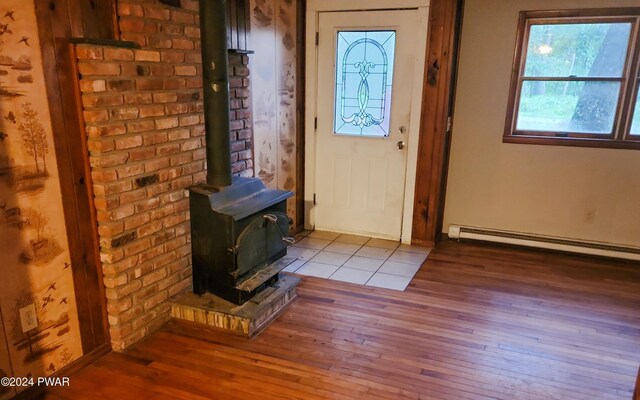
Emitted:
pixel 356 259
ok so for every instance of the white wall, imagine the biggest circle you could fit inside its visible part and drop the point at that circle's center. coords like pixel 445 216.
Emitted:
pixel 578 193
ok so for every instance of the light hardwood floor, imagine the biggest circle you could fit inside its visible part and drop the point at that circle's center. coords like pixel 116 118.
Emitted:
pixel 476 322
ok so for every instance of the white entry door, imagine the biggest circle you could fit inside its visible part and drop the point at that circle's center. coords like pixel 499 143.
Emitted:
pixel 365 86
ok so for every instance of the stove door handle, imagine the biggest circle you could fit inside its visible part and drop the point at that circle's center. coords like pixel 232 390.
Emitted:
pixel 274 220
pixel 271 218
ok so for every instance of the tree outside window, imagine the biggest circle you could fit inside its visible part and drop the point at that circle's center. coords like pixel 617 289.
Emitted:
pixel 575 80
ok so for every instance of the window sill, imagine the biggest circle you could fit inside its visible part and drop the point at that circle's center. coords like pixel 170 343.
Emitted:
pixel 572 141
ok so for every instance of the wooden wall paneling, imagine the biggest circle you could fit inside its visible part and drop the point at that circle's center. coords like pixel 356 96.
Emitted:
pixel 286 29
pixel 243 23
pixel 37 246
pixel 89 18
pixel 455 46
pixel 263 91
pixel 232 28
pixel 275 101
pixel 444 18
pixel 55 29
pixel 238 29
pixel 301 13
pixel 106 19
pixel 75 11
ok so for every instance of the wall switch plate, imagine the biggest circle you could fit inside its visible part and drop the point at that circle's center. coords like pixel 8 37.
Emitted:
pixel 28 318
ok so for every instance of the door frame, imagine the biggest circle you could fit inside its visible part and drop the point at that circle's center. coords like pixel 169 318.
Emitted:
pixel 314 8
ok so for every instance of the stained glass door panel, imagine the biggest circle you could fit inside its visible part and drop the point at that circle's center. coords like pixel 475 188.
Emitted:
pixel 364 79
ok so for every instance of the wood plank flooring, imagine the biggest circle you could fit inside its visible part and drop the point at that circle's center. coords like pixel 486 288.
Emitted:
pixel 477 322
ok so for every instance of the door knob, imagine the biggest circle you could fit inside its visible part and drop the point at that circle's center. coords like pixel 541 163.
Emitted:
pixel 400 144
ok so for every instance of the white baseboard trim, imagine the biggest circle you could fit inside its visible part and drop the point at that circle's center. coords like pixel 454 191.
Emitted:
pixel 544 242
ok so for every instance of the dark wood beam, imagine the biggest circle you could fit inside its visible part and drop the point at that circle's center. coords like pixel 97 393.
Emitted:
pixel 437 107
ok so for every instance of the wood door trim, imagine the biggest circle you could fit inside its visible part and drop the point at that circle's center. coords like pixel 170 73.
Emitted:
pixel 301 12
pixel 437 106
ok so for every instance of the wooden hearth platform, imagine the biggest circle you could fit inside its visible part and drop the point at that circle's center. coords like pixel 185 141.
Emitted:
pixel 249 319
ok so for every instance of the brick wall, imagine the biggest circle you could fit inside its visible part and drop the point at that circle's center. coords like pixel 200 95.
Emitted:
pixel 145 129
pixel 241 124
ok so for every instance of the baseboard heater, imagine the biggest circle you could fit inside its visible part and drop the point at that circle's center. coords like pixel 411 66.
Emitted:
pixel 544 242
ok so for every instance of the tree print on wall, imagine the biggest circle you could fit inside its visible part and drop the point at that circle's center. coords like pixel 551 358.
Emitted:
pixel 65 357
pixel 43 246
pixel 34 137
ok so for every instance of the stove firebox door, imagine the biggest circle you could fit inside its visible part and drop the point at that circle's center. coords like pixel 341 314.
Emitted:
pixel 260 243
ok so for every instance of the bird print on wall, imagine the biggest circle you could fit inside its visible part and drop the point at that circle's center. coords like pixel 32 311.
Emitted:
pixel 11 117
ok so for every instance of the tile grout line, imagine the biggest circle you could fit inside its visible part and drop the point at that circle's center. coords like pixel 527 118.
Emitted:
pixel 385 260
pixel 350 257
pixel 339 267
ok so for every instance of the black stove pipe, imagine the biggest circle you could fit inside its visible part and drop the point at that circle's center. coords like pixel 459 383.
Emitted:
pixel 215 65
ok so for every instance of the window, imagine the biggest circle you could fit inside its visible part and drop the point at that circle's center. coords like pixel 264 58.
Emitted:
pixel 576 79
pixel 364 73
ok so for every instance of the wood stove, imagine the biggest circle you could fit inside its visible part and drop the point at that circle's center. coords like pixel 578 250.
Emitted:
pixel 239 228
